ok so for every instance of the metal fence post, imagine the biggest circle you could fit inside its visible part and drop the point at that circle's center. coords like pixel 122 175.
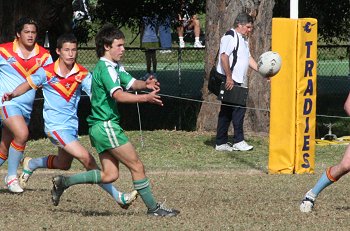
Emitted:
pixel 179 61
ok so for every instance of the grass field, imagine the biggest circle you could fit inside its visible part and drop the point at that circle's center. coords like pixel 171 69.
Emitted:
pixel 213 190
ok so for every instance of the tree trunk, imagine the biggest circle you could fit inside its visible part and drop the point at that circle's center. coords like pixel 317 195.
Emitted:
pixel 219 18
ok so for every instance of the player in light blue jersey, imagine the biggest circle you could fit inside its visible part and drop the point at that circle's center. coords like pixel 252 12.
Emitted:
pixel 62 83
pixel 18 59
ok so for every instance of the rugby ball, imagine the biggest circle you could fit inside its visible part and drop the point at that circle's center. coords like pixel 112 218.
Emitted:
pixel 269 63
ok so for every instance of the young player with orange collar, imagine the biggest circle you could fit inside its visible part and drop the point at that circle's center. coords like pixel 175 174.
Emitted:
pixel 18 59
pixel 62 83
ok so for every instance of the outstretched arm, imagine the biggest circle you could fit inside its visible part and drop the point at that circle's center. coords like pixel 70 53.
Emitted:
pixel 126 97
pixel 151 83
pixel 20 90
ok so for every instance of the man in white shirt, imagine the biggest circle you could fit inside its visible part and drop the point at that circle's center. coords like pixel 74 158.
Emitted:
pixel 234 61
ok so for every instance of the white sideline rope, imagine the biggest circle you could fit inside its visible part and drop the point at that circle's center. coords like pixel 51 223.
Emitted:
pixel 139 115
pixel 218 103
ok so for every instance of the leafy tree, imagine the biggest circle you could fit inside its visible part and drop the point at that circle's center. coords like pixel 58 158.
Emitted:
pixel 122 13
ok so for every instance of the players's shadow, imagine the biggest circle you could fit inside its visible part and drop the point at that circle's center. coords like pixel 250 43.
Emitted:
pixel 94 213
pixel 6 191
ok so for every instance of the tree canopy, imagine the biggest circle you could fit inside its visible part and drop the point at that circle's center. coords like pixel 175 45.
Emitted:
pixel 122 13
pixel 125 13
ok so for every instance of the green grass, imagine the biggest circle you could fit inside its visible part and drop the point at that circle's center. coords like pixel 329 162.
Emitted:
pixel 183 151
pixel 213 190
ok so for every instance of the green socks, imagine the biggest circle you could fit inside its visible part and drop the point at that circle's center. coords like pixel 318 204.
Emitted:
pixel 143 187
pixel 92 177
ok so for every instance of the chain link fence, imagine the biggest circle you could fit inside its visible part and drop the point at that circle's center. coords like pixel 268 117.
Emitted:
pixel 333 86
pixel 181 74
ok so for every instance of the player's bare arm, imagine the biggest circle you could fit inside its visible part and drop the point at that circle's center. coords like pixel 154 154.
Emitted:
pixel 20 90
pixel 126 97
pixel 151 83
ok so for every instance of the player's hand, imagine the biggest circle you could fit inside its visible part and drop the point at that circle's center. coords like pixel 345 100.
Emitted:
pixel 154 98
pixel 229 84
pixel 7 96
pixel 152 83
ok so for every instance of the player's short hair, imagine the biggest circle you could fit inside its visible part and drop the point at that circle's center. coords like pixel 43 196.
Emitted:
pixel 25 20
pixel 105 37
pixel 66 38
pixel 243 18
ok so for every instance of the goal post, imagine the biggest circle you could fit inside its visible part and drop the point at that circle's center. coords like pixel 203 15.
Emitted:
pixel 293 97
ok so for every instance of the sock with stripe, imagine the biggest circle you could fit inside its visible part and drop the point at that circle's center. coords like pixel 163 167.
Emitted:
pixel 3 158
pixel 322 183
pixel 89 177
pixel 143 187
pixel 14 158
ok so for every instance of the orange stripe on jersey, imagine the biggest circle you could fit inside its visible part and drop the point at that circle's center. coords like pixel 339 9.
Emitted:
pixel 24 67
pixel 66 87
pixel 59 138
pixel 31 83
pixel 3 156
pixel 329 176
pixel 17 147
pixel 50 160
pixel 4 114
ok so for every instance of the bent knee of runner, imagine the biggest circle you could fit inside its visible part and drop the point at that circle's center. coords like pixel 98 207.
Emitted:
pixel 109 177
pixel 21 139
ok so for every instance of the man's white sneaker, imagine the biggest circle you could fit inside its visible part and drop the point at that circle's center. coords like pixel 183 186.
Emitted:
pixel 242 146
pixel 182 44
pixel 26 173
pixel 12 184
pixel 198 45
pixel 165 51
pixel 224 147
pixel 307 204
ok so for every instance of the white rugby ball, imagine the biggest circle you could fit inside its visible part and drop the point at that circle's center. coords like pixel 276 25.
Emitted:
pixel 269 63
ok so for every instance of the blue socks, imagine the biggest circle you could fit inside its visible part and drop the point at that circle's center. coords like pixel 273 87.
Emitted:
pixel 14 158
pixel 322 183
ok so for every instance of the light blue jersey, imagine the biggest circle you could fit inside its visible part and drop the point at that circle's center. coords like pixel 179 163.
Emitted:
pixel 61 95
pixel 14 70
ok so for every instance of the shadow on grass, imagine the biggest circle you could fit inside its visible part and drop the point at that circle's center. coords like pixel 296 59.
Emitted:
pixel 94 213
pixel 6 191
pixel 242 159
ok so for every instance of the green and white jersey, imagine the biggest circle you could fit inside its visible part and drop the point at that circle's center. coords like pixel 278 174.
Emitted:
pixel 107 77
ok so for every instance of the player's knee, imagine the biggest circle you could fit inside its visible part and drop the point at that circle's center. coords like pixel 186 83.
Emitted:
pixel 109 177
pixel 21 139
